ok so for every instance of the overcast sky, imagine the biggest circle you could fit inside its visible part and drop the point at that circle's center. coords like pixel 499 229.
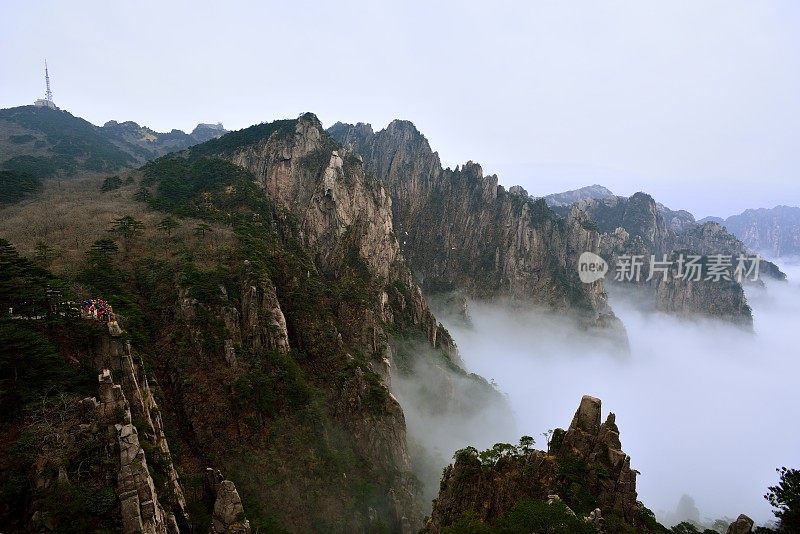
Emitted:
pixel 695 102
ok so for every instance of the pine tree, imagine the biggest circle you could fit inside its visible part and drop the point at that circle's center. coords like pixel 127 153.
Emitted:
pixel 785 497
pixel 168 224
pixel 44 254
pixel 128 228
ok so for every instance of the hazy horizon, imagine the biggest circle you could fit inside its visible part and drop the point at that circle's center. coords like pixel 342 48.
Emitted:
pixel 694 103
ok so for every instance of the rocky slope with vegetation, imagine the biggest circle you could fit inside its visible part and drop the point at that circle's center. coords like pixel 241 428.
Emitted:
pixel 274 355
pixel 146 144
pixel 39 142
pixel 582 483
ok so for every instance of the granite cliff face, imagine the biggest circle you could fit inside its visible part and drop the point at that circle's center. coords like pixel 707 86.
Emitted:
pixel 584 467
pixel 461 231
pixel 136 399
pixel 319 305
pixel 329 204
pixel 721 299
pixel 123 429
pixel 341 211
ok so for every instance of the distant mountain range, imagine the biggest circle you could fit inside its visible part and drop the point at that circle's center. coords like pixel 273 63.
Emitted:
pixel 40 142
pixel 774 231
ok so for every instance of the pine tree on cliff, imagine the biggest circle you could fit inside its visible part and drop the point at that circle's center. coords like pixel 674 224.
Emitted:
pixel 785 497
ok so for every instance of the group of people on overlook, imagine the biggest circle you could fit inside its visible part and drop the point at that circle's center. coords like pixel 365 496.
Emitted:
pixel 97 309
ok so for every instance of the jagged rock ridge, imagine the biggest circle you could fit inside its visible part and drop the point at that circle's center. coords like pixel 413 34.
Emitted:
pixel 461 231
pixel 331 229
pixel 144 506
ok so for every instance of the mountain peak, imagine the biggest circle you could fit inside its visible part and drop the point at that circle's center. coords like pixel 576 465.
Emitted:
pixel 310 118
pixel 203 131
pixel 402 125
pixel 584 193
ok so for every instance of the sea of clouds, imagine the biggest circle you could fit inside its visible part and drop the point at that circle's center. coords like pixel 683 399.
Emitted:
pixel 704 408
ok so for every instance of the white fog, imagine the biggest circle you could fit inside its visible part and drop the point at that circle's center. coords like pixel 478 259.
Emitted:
pixel 702 407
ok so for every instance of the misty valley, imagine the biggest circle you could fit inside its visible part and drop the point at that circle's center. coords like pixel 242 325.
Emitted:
pixel 690 388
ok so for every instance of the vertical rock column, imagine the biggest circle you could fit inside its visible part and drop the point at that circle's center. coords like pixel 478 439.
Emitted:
pixel 133 400
pixel 139 505
pixel 228 515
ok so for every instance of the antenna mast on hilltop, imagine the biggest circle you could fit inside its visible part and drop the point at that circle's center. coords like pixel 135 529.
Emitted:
pixel 49 94
pixel 47 102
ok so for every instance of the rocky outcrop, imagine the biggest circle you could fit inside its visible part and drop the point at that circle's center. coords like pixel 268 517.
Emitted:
pixel 742 525
pixel 599 445
pixel 115 354
pixel 228 513
pixel 130 413
pixel 206 131
pixel 140 508
pixel 461 231
pixel 722 299
pixel 258 323
pixel 584 466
